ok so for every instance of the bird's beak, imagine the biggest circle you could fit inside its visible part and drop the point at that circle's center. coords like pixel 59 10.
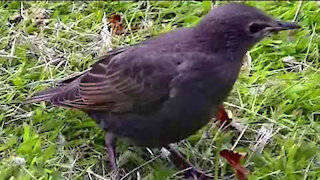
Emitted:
pixel 283 26
pixel 288 25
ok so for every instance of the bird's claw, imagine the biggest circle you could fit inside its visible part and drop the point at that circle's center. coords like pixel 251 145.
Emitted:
pixel 197 174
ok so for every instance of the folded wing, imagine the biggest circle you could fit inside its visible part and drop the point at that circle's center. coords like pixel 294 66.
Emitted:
pixel 118 84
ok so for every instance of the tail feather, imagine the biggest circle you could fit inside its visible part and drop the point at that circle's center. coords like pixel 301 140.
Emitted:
pixel 45 95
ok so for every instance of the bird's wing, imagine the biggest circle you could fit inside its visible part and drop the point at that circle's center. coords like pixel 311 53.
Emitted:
pixel 105 58
pixel 130 78
pixel 69 85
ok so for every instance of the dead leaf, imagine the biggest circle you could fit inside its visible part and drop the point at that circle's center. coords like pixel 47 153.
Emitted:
pixel 106 37
pixel 292 64
pixel 247 64
pixel 116 24
pixel 233 159
pixel 40 17
pixel 223 118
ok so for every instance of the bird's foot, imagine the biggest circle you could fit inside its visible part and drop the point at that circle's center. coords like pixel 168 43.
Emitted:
pixel 182 163
pixel 195 173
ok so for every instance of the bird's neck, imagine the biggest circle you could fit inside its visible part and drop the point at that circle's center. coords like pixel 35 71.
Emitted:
pixel 215 42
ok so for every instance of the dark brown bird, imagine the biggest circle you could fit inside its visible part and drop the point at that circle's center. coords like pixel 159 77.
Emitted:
pixel 166 88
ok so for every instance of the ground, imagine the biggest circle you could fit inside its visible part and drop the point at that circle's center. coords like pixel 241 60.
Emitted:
pixel 274 104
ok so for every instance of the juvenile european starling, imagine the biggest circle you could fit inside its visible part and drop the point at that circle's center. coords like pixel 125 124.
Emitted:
pixel 166 88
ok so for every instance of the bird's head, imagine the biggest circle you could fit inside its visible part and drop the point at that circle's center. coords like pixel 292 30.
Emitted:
pixel 238 27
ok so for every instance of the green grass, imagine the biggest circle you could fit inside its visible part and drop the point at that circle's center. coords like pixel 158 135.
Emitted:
pixel 277 95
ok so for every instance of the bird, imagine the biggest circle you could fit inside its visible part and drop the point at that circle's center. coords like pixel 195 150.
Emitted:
pixel 168 87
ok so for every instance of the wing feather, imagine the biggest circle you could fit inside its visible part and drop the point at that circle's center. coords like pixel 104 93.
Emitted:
pixel 118 83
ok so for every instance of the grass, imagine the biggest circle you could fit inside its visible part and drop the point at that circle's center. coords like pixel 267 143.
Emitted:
pixel 275 102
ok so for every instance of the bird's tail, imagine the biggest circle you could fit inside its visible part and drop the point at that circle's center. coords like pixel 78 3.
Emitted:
pixel 45 95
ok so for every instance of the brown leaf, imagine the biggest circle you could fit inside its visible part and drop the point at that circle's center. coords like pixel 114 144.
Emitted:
pixel 222 117
pixel 233 159
pixel 41 17
pixel 116 24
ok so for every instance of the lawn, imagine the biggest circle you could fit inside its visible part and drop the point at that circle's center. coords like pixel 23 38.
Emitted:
pixel 275 104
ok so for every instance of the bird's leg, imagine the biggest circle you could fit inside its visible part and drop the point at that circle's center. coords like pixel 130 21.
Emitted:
pixel 110 141
pixel 182 163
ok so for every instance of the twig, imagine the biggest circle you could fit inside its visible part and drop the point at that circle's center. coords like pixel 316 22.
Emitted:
pixel 240 136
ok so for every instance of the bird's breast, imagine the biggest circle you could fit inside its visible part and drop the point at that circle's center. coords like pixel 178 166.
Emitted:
pixel 175 120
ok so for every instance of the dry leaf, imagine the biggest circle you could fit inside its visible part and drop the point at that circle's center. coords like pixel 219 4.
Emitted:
pixel 223 118
pixel 116 24
pixel 41 17
pixel 106 37
pixel 233 159
pixel 247 64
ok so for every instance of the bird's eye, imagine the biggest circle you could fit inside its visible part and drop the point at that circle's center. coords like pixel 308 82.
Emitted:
pixel 255 27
